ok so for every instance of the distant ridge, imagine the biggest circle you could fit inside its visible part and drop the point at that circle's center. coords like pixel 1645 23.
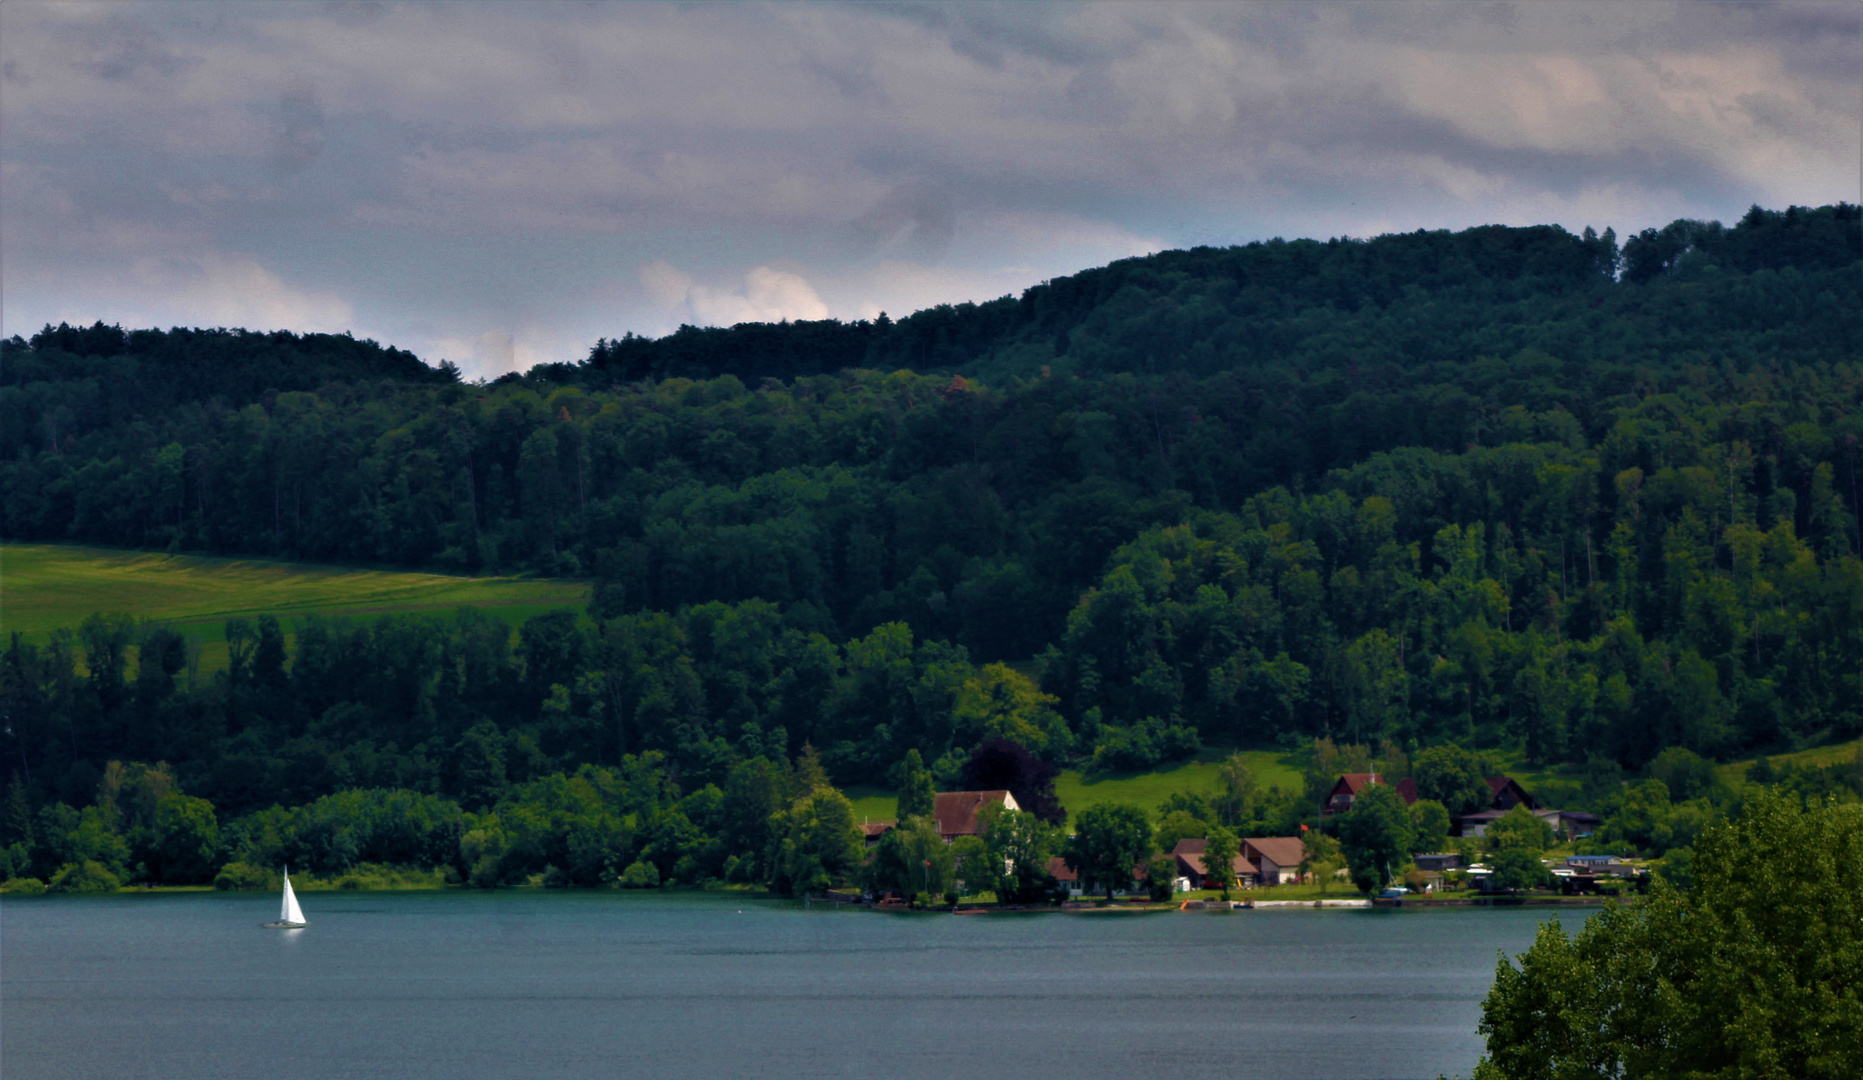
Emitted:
pixel 1270 288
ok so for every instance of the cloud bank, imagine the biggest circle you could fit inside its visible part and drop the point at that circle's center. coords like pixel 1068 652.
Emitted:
pixel 545 175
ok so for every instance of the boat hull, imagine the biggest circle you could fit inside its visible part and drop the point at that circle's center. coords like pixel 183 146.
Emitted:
pixel 281 926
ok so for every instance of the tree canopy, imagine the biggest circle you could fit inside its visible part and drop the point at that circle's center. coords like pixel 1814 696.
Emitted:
pixel 1754 972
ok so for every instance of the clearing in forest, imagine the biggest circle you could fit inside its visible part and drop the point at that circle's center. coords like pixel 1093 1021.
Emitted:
pixel 46 586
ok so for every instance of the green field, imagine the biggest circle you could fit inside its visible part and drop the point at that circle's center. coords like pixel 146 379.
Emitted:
pixel 1148 791
pixel 47 586
pixel 1734 773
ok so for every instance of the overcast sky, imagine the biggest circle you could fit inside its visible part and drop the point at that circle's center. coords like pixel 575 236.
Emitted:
pixel 501 184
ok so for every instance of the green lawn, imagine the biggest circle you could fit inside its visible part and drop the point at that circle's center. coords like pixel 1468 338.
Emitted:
pixel 1734 773
pixel 1148 790
pixel 46 586
pixel 872 803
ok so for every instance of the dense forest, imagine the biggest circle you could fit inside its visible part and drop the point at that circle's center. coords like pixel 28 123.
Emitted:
pixel 1511 488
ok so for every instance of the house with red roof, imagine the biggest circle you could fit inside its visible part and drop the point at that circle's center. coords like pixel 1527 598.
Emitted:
pixel 1507 794
pixel 959 813
pixel 1349 785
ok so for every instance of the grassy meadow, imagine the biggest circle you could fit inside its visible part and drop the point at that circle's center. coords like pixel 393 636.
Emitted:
pixel 1734 773
pixel 47 586
pixel 1148 791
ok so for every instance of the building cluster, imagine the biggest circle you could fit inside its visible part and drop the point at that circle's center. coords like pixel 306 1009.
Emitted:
pixel 1505 793
pixel 1275 860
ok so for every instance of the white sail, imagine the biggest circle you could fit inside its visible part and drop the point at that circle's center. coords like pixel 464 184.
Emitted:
pixel 291 913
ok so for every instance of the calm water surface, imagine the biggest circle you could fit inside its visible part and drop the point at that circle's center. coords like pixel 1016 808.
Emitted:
pixel 535 984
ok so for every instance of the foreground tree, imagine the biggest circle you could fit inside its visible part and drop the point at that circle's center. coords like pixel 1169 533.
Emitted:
pixel 1237 790
pixel 1219 857
pixel 1109 842
pixel 1020 845
pixel 820 842
pixel 912 858
pixel 1452 776
pixel 916 792
pixel 1375 836
pixel 1756 972
pixel 1521 829
pixel 1517 869
pixel 1319 857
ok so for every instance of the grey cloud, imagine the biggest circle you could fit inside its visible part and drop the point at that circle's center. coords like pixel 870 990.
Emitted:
pixel 527 160
pixel 301 132
pixel 914 220
pixel 356 12
pixel 119 48
pixel 991 33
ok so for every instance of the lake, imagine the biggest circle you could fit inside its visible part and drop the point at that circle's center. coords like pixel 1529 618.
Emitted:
pixel 598 984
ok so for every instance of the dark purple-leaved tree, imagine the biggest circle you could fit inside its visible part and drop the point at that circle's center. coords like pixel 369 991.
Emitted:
pixel 1002 765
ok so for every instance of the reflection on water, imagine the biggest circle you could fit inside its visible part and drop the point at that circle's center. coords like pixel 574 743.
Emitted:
pixel 537 984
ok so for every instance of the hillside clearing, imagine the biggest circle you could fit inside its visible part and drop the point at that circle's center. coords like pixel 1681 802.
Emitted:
pixel 47 586
pixel 1148 791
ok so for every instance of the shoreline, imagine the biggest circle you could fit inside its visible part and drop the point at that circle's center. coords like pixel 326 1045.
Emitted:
pixel 1077 907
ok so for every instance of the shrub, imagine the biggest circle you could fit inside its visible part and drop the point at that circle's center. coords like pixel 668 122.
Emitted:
pixel 1144 745
pixel 1520 828
pixel 1160 877
pixel 23 886
pixel 244 877
pixel 640 875
pixel 89 876
pixel 1686 774
pixel 1518 868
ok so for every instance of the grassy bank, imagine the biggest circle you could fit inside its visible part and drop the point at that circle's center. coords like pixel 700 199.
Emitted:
pixel 47 586
pixel 1149 790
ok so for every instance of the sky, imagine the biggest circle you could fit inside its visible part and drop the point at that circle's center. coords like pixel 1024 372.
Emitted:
pixel 500 184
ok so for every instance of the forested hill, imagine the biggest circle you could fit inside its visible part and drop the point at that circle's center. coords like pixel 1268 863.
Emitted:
pixel 1510 487
pixel 113 375
pixel 1400 299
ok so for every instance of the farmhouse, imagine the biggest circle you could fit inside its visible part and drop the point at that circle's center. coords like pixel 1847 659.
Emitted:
pixel 1189 856
pixel 1347 788
pixel 958 813
pixel 1066 876
pixel 1507 794
pixel 1276 858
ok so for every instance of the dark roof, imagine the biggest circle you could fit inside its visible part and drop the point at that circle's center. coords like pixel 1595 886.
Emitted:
pixel 1189 846
pixel 956 811
pixel 1354 782
pixel 1193 861
pixel 1281 850
pixel 1059 870
pixel 1498 784
pixel 875 828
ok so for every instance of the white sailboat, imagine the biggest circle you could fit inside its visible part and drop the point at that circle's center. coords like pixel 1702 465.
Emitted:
pixel 290 916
